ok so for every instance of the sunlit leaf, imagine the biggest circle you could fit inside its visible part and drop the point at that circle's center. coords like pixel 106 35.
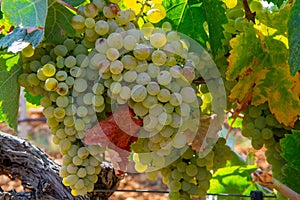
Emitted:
pixel 35 100
pixel 9 95
pixel 232 180
pixel 27 13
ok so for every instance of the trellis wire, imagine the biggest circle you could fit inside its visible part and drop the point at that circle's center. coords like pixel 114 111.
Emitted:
pixel 166 191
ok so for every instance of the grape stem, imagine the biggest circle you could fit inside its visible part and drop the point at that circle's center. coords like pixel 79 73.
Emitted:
pixel 66 5
pixel 140 14
pixel 249 15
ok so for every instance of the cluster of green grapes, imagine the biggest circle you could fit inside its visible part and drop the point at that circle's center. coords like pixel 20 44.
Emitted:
pixel 67 76
pixel 189 176
pixel 112 62
pixel 261 125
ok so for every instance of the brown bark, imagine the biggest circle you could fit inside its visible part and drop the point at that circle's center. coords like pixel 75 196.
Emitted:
pixel 40 175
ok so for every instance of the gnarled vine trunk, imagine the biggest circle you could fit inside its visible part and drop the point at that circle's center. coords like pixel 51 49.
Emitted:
pixel 40 175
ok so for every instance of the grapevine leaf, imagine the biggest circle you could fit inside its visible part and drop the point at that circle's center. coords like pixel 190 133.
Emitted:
pixel 10 90
pixel 294 38
pixel 58 23
pixel 278 84
pixel 35 100
pixel 276 22
pixel 290 149
pixel 290 179
pixel 215 17
pixel 235 179
pixel 19 38
pixel 243 90
pixel 246 50
pixel 74 2
pixel 27 13
pixel 118 132
pixel 187 17
pixel 276 2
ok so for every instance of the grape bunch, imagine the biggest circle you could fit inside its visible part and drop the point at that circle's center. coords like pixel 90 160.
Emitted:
pixel 264 129
pixel 189 176
pixel 114 63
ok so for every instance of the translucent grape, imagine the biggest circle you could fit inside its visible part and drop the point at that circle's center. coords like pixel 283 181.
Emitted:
pixel 143 78
pixel 115 40
pixel 61 50
pixel 158 40
pixel 164 95
pixel 141 51
pixel 138 93
pixel 129 42
pixel 154 15
pixel 116 67
pixel 49 70
pixel 90 10
pixel 61 75
pixel 51 84
pixel 159 57
pixel 153 70
pixel 130 76
pixel 62 89
pixel 101 27
pixel 112 54
pixel 188 94
pixel 70 61
pixel 80 85
pixel 129 62
pixel 164 78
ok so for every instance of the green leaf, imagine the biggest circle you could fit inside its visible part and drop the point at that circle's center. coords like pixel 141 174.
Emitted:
pixel 294 38
pixel 192 16
pixel 28 13
pixel 10 90
pixel 291 177
pixel 18 39
pixel 35 100
pixel 215 17
pixel 240 59
pixel 58 23
pixel 291 148
pixel 187 17
pixel 74 2
pixel 234 180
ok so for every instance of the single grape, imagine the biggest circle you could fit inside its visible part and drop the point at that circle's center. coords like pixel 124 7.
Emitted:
pixel 101 27
pixel 164 78
pixel 90 10
pixel 28 51
pixel 138 93
pixel 61 50
pixel 115 40
pixel 158 40
pixel 159 57
pixel 141 51
pixel 80 85
pixel 51 84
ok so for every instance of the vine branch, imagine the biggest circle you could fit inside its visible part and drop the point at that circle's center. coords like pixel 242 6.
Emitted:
pixel 249 15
